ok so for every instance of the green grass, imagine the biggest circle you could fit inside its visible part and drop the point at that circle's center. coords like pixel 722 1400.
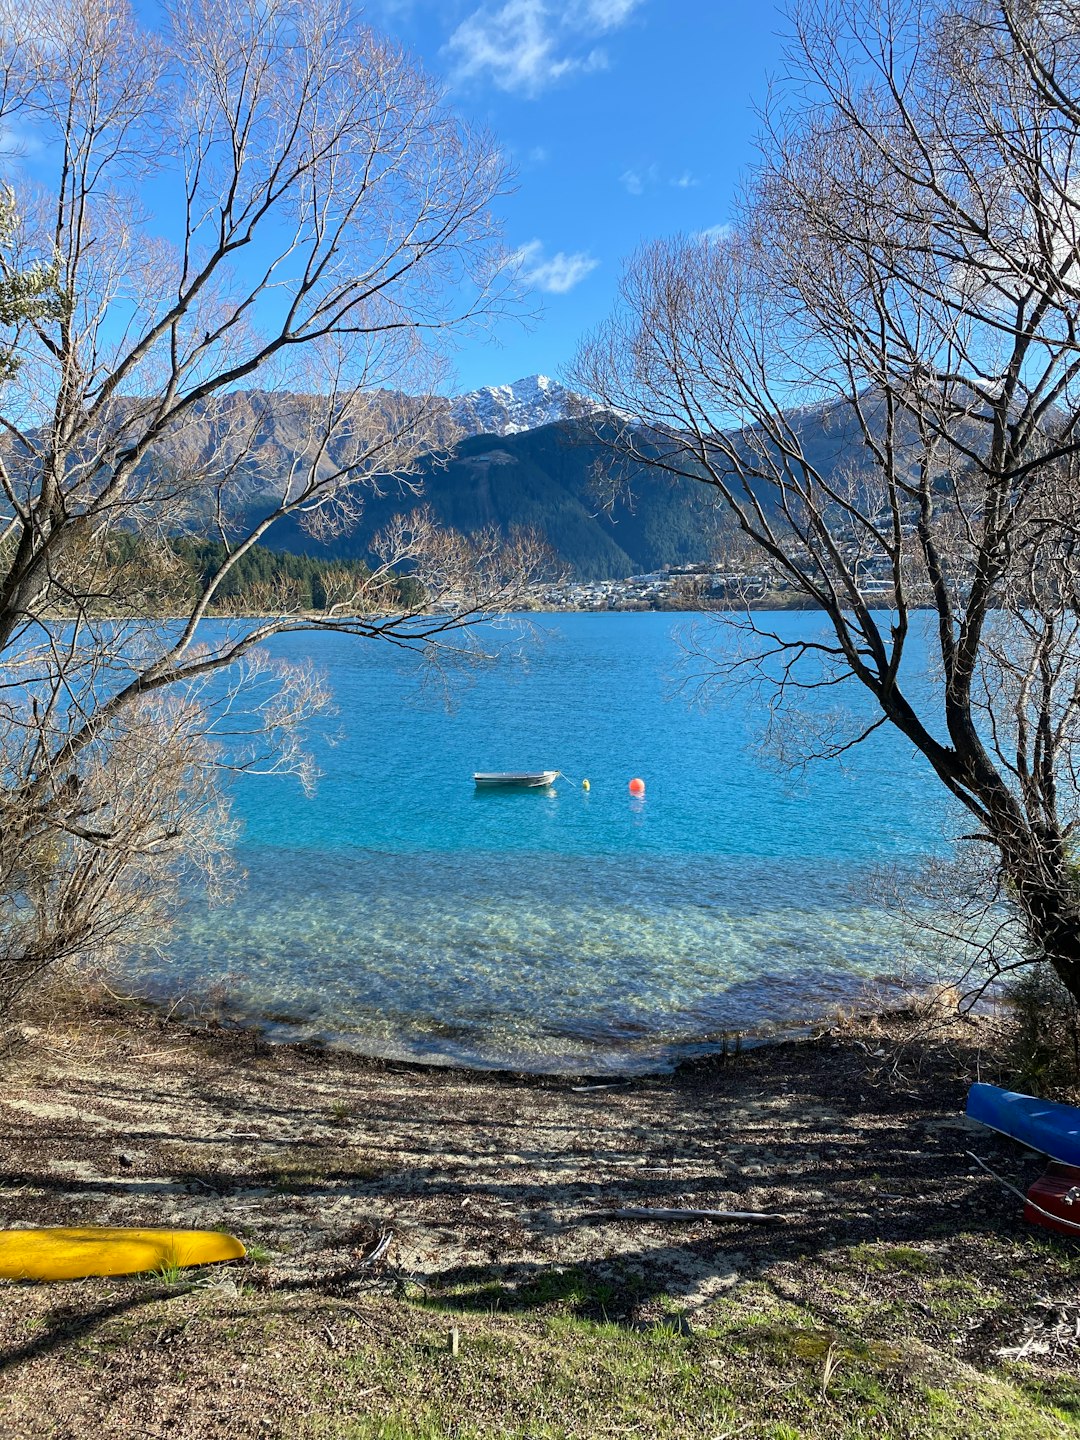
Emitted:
pixel 533 1377
pixel 1059 1395
pixel 168 1272
pixel 541 1361
pixel 885 1259
pixel 571 1289
pixel 556 1357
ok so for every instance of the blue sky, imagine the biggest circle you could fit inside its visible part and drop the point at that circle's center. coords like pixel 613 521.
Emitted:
pixel 625 120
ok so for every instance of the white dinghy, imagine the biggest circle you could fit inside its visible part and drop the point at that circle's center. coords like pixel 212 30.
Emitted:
pixel 516 779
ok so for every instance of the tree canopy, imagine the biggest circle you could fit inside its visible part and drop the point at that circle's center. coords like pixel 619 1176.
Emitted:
pixel 905 254
pixel 252 193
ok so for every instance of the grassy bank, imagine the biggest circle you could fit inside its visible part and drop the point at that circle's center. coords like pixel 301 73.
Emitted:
pixel 904 1297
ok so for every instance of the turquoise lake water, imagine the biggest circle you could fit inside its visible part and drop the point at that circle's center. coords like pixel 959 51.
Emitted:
pixel 403 912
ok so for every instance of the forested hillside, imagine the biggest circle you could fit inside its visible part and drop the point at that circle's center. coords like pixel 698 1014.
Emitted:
pixel 168 577
pixel 553 480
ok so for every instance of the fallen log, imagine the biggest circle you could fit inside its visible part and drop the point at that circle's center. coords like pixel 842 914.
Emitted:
pixel 643 1212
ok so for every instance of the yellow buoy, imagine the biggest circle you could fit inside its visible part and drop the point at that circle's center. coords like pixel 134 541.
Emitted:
pixel 59 1254
pixel 585 785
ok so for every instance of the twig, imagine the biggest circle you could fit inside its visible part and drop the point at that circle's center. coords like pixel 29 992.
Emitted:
pixel 194 1180
pixel 375 1255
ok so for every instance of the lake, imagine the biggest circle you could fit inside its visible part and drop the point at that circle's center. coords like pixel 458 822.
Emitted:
pixel 403 912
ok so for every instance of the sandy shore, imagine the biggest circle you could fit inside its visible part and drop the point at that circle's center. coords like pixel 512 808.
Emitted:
pixel 490 1187
pixel 309 1152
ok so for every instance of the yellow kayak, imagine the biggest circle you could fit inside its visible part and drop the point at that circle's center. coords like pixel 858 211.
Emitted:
pixel 58 1254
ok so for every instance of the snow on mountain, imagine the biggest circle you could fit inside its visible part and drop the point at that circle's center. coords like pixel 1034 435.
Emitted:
pixel 511 409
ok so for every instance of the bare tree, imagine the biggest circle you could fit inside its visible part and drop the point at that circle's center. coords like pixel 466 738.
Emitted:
pixel 903 275
pixel 257 200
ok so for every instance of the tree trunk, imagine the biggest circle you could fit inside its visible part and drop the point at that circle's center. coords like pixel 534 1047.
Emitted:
pixel 1055 935
pixel 1045 887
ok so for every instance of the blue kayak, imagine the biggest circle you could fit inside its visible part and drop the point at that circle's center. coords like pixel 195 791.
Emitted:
pixel 1042 1125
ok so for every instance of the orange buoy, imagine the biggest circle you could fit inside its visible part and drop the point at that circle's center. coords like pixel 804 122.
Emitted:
pixel 637 787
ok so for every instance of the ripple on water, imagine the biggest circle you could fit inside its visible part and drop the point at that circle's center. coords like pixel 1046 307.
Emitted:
pixel 531 977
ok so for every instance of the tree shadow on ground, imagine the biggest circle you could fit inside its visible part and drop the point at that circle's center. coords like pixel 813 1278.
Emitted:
pixel 72 1322
pixel 856 1148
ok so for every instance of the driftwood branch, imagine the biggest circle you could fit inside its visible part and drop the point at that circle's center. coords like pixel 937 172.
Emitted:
pixel 376 1254
pixel 643 1212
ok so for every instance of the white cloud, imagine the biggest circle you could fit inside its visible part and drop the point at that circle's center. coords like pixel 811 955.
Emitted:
pixel 525 46
pixel 539 155
pixel 608 14
pixel 714 232
pixel 555 275
pixel 640 178
pixel 636 182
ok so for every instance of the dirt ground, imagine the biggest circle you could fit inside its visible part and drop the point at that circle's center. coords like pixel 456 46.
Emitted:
pixel 489 1193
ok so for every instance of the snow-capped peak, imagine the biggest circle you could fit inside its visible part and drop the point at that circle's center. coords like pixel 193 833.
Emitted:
pixel 510 409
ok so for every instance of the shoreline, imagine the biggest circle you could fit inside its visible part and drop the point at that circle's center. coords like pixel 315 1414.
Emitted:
pixel 868 1005
pixel 496 1198
pixel 792 607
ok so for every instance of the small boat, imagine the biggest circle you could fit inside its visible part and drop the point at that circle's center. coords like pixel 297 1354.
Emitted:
pixel 516 779
pixel 1042 1125
pixel 1054 1200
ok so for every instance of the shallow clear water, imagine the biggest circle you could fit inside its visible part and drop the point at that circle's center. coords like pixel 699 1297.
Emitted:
pixel 404 912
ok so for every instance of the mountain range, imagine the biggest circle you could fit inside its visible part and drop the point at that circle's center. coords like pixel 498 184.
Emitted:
pixel 544 479
pixel 528 456
pixel 533 455
pixel 513 409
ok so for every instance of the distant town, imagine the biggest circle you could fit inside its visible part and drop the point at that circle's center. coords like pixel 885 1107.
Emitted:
pixel 688 587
